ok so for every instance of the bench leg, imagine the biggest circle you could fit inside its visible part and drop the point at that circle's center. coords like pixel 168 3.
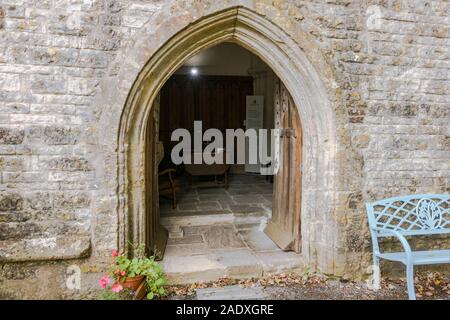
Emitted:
pixel 410 281
pixel 376 273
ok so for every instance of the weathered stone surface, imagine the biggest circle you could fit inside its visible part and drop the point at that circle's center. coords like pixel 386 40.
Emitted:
pixel 235 292
pixel 258 240
pixel 71 200
pixel 175 232
pixel 69 164
pixel 48 84
pixel 222 236
pixel 186 240
pixel 40 201
pixel 238 263
pixel 192 258
pixel 11 135
pixel 278 262
pixel 67 65
pixel 9 163
pixel 9 82
pixel 10 201
pixel 49 248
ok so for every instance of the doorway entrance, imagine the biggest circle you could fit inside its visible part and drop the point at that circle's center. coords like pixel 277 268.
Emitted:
pixel 215 211
pixel 135 91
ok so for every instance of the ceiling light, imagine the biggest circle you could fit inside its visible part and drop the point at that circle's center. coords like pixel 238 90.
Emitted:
pixel 194 71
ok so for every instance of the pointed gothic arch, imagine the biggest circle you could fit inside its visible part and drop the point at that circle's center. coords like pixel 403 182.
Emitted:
pixel 127 116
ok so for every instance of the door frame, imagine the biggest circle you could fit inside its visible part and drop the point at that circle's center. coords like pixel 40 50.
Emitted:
pixel 131 106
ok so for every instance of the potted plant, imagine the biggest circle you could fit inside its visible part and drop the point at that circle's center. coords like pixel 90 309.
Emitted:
pixel 128 274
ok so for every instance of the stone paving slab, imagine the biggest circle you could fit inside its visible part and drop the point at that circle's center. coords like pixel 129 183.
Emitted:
pixel 234 292
pixel 220 197
pixel 185 250
pixel 196 212
pixel 186 240
pixel 246 194
pixel 212 191
pixel 209 205
pixel 197 220
pixel 246 219
pixel 246 208
pixel 210 252
pixel 175 232
pixel 191 206
pixel 279 261
pixel 248 199
pixel 235 263
pixel 190 230
pixel 218 232
pixel 258 241
pixel 222 237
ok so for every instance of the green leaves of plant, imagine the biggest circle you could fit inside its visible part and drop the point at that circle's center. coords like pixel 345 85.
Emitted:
pixel 155 278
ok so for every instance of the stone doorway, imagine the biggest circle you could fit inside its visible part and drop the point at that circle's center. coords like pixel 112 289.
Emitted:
pixel 158 58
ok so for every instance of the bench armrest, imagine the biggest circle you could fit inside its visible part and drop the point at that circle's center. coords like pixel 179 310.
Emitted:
pixel 401 238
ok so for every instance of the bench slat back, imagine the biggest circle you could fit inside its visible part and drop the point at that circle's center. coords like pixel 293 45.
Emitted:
pixel 411 215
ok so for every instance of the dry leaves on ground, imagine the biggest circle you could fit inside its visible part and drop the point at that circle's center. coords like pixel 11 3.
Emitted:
pixel 428 284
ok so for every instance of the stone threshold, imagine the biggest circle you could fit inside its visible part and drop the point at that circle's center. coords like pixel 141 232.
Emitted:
pixel 206 248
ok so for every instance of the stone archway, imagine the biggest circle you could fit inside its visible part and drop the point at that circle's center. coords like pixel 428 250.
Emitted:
pixel 283 55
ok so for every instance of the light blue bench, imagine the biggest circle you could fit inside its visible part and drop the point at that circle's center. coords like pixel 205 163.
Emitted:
pixel 415 215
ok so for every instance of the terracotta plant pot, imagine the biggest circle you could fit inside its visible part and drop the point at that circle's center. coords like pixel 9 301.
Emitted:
pixel 133 283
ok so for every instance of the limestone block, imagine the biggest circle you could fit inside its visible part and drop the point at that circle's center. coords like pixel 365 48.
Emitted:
pixel 11 135
pixel 38 249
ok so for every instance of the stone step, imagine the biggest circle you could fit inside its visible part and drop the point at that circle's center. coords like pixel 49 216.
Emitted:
pixel 207 248
pixel 234 292
pixel 249 219
pixel 230 263
pixel 193 265
pixel 175 232
pixel 196 220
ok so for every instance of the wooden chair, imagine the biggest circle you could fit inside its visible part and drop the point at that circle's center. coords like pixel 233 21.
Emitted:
pixel 169 186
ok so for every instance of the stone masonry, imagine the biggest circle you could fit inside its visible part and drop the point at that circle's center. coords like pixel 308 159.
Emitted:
pixel 387 79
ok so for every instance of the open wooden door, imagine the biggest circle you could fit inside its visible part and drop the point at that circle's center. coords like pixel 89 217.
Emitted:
pixel 284 226
pixel 156 234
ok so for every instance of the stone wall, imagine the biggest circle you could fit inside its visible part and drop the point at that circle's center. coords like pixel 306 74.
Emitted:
pixel 385 65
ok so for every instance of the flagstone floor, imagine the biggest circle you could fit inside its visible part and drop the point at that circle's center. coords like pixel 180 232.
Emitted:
pixel 246 194
pixel 215 233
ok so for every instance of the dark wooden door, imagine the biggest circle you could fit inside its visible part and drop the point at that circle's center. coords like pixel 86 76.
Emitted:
pixel 156 234
pixel 284 226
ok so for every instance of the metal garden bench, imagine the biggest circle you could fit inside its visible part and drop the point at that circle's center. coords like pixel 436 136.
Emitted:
pixel 415 215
